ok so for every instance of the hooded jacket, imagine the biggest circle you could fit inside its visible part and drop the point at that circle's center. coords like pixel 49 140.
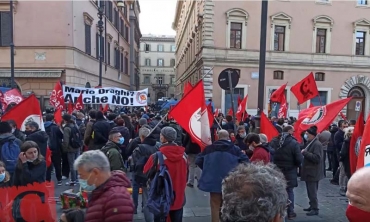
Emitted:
pixel 126 135
pixel 55 136
pixel 261 153
pixel 30 173
pixel 101 130
pixel 112 151
pixel 216 161
pixel 111 201
pixel 41 138
pixel 177 164
pixel 66 145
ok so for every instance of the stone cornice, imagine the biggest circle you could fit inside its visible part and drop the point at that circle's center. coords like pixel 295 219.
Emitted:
pixel 88 18
pixel 32 73
pixel 157 39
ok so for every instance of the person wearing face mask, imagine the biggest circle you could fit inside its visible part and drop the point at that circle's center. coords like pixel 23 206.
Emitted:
pixel 288 158
pixel 239 139
pixel 358 195
pixel 338 143
pixel 260 151
pixel 16 132
pixel 4 176
pixel 31 166
pixel 109 198
pixel 312 169
pixel 112 150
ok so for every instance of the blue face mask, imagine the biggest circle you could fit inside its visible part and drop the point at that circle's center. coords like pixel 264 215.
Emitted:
pixel 85 186
pixel 121 140
pixel 2 177
pixel 305 137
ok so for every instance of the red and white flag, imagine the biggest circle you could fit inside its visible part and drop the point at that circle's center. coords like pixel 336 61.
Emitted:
pixel 56 97
pixel 363 159
pixel 278 94
pixel 25 111
pixel 79 103
pixel 192 115
pixel 11 96
pixel 188 87
pixel 283 110
pixel 267 128
pixel 241 109
pixel 357 132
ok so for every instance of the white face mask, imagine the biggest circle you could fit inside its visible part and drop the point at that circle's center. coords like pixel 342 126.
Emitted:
pixel 63 125
pixel 13 130
pixel 251 147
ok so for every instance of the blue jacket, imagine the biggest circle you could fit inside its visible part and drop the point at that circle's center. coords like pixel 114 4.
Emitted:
pixel 216 161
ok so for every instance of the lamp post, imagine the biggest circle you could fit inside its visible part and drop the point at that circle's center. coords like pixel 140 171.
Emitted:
pixel 12 82
pixel 262 64
pixel 101 29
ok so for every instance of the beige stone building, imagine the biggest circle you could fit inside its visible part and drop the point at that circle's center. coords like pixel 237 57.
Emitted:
pixel 57 40
pixel 302 37
pixel 157 58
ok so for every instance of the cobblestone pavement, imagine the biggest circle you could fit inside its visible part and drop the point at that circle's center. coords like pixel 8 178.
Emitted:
pixel 332 205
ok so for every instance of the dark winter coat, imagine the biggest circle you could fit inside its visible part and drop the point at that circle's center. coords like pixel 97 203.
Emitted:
pixel 344 157
pixel 331 145
pixel 313 164
pixel 55 137
pixel 240 142
pixel 30 173
pixel 287 157
pixel 190 147
pixel 101 130
pixel 126 135
pixel 66 145
pixel 41 138
pixel 19 135
pixel 112 151
pixel 111 202
pixel 88 140
pixel 338 140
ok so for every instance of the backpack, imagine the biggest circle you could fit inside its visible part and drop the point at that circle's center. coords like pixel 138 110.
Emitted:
pixel 82 129
pixel 9 155
pixel 75 140
pixel 161 195
pixel 145 152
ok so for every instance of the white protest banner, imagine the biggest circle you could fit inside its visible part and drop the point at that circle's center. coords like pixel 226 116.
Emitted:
pixel 106 95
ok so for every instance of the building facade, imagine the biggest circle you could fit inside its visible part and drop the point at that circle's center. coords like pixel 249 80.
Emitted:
pixel 302 37
pixel 157 66
pixel 59 41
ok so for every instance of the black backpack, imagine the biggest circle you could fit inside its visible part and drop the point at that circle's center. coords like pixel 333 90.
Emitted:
pixel 75 139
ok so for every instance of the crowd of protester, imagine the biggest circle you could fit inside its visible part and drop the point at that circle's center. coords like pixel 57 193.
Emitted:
pixel 248 176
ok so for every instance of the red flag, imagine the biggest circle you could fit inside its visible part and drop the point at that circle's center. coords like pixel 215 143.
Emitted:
pixel 311 105
pixel 169 115
pixel 58 116
pixel 79 103
pixel 239 100
pixel 106 108
pixel 278 94
pixel 70 107
pixel 188 87
pixel 305 89
pixel 192 115
pixel 11 96
pixel 267 128
pixel 56 97
pixel 48 157
pixel 357 132
pixel 283 108
pixel 210 114
pixel 323 116
pixel 241 108
pixel 33 202
pixel 27 110
pixel 343 116
pixel 363 159
pixel 230 112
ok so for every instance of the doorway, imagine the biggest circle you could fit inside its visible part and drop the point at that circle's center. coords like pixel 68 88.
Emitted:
pixel 358 99
pixel 160 95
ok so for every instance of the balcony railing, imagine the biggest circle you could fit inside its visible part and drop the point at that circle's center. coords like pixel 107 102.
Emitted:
pixel 160 86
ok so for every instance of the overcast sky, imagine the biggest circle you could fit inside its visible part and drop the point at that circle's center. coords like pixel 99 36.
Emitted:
pixel 157 16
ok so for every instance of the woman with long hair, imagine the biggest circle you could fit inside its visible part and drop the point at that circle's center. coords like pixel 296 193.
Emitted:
pixel 4 176
pixel 31 167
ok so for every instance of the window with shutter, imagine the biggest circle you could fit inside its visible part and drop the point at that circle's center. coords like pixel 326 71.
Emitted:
pixel 126 65
pixel 110 4
pixel 5 29
pixel 116 19
pixel 122 28
pixel 88 39
pixel 126 33
pixel 117 58
pixel 122 62
pixel 108 52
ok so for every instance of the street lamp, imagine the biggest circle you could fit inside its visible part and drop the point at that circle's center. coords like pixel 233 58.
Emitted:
pixel 12 82
pixel 101 29
pixel 262 64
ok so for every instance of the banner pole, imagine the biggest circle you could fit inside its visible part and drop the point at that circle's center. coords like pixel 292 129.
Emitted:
pixel 158 124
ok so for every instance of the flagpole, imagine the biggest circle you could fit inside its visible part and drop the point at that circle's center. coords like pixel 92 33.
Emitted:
pixel 209 71
pixel 217 122
pixel 158 124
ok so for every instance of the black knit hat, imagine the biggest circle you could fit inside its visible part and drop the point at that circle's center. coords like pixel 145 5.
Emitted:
pixel 312 130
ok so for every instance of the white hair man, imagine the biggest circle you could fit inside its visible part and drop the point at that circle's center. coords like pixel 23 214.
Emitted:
pixel 109 200
pixel 253 193
pixel 216 161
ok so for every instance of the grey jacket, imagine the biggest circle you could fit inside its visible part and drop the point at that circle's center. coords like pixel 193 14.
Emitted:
pixel 312 167
pixel 324 138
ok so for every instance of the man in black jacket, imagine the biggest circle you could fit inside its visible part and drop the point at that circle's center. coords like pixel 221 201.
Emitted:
pixel 148 146
pixel 192 150
pixel 101 129
pixel 55 146
pixel 338 142
pixel 35 134
pixel 288 158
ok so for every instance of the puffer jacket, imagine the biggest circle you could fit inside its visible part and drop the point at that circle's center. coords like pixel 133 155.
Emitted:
pixel 111 202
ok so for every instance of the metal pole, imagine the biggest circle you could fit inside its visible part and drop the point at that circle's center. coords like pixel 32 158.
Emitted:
pixel 232 98
pixel 101 42
pixel 12 82
pixel 262 64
